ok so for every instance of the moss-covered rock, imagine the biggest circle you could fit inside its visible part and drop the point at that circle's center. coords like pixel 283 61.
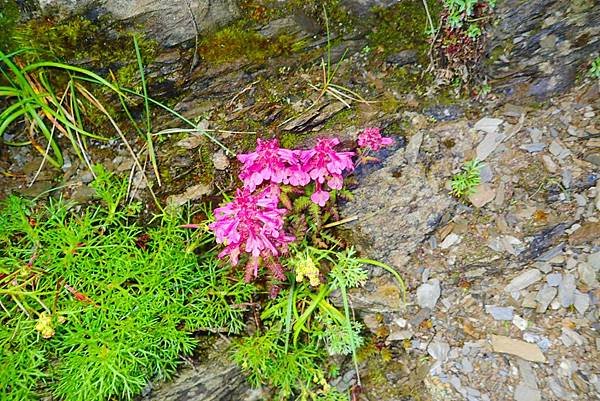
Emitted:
pixel 9 16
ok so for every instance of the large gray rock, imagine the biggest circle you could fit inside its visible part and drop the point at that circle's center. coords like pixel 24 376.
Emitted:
pixel 398 207
pixel 362 7
pixel 536 47
pixel 215 378
pixel 170 22
pixel 389 205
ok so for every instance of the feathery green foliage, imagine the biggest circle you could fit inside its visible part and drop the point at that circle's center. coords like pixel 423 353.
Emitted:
pixel 461 12
pixel 594 71
pixel 464 183
pixel 94 306
pixel 302 325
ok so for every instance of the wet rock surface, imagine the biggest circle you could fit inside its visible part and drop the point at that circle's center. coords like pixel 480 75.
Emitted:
pixel 214 378
pixel 393 194
pixel 516 313
pixel 169 22
pixel 537 47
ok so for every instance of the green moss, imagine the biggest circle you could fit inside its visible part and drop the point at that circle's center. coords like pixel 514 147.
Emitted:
pixel 398 127
pixel 497 52
pixel 9 16
pixel 207 170
pixel 238 41
pixel 401 27
pixel 389 104
pixel 342 118
pixel 102 44
pixel 406 79
pixel 263 11
pixel 291 140
pixel 340 18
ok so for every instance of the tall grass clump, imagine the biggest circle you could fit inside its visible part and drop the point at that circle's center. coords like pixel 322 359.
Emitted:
pixel 49 103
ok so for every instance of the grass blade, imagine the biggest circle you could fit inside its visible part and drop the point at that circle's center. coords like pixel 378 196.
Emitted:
pixel 149 142
pixel 348 326
pixel 299 325
pixel 390 270
pixel 182 118
pixel 81 71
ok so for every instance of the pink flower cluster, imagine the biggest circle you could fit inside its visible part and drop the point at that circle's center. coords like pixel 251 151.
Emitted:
pixel 253 223
pixel 371 138
pixel 268 163
pixel 322 164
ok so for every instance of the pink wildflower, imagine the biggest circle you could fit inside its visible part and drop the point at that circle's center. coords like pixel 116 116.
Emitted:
pixel 323 160
pixel 371 138
pixel 297 173
pixel 323 164
pixel 335 182
pixel 268 163
pixel 320 197
pixel 252 223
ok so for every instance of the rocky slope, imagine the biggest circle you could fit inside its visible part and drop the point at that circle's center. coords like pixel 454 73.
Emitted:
pixel 503 289
pixel 503 296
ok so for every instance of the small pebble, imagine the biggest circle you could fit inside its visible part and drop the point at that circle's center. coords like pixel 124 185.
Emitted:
pixel 527 373
pixel 570 337
pixel 439 350
pixel 558 390
pixel 486 173
pixel 533 147
pixel 544 297
pixel 520 322
pixel 428 294
pixel 526 393
pixel 544 267
pixel 566 290
pixel 523 280
pixel 466 365
pixel 549 164
pixel 489 125
pixel 450 240
pixel 554 279
pixel 500 312
pixel 594 260
pixel 581 302
pixel 529 300
pixel 587 275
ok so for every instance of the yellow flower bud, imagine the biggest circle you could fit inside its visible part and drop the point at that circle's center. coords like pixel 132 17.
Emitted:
pixel 307 268
pixel 44 325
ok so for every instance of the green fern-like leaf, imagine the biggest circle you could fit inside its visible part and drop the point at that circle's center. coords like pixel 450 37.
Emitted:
pixel 341 339
pixel 286 201
pixel 345 194
pixel 315 214
pixel 325 235
pixel 464 183
pixel 301 204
